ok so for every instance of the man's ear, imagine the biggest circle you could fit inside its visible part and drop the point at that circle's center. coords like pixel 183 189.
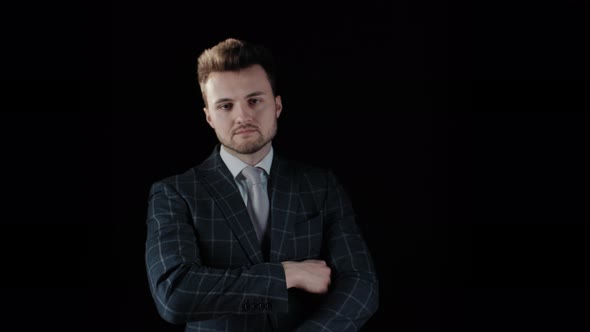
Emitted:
pixel 208 117
pixel 279 106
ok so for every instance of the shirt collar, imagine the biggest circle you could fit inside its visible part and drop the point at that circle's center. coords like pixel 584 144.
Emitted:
pixel 235 165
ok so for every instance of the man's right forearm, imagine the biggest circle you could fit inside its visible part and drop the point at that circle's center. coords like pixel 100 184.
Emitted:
pixel 192 292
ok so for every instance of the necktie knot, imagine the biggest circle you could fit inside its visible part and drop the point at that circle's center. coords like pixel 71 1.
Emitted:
pixel 253 175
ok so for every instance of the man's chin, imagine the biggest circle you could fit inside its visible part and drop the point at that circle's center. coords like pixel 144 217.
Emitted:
pixel 246 148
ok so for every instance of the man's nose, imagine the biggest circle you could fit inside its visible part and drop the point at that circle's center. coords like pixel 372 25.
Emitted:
pixel 243 112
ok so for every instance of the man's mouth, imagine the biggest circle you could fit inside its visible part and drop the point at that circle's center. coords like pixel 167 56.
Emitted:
pixel 245 131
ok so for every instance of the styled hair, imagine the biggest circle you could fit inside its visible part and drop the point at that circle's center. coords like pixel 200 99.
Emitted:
pixel 233 55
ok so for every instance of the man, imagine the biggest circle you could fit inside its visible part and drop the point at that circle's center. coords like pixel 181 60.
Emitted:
pixel 248 241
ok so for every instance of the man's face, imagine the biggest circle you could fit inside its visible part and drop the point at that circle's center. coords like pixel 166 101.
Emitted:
pixel 241 108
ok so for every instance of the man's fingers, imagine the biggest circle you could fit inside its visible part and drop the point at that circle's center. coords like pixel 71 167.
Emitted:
pixel 313 275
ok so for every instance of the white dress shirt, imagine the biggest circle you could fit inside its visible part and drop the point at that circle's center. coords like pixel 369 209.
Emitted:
pixel 235 166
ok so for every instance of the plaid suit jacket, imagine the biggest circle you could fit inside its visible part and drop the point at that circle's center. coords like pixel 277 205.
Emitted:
pixel 206 269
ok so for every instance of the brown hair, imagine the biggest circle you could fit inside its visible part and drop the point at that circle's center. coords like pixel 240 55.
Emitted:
pixel 233 55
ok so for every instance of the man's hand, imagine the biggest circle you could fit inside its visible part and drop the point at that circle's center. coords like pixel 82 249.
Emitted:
pixel 311 275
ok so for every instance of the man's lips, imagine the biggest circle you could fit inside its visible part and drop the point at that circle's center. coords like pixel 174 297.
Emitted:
pixel 245 131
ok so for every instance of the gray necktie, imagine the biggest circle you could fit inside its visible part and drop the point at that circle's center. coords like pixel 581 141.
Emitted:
pixel 257 199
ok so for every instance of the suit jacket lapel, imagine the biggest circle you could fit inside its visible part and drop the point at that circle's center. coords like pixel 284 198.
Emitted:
pixel 284 200
pixel 221 185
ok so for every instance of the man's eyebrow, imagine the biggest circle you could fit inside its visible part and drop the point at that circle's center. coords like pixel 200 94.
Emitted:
pixel 222 100
pixel 253 94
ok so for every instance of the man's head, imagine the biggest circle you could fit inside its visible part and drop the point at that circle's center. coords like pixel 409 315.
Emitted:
pixel 237 82
pixel 233 55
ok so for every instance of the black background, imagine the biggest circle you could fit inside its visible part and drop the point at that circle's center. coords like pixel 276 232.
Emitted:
pixel 459 133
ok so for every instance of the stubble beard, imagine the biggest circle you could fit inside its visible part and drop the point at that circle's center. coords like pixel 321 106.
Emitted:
pixel 250 147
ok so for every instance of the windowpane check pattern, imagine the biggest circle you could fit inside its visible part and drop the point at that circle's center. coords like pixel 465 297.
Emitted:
pixel 206 269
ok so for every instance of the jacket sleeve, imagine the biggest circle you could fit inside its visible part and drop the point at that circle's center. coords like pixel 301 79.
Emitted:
pixel 353 296
pixel 185 290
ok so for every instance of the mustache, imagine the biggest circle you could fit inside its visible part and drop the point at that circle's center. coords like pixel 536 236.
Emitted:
pixel 244 128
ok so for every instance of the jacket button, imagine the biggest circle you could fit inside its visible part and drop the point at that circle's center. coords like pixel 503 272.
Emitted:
pixel 260 306
pixel 246 307
pixel 268 306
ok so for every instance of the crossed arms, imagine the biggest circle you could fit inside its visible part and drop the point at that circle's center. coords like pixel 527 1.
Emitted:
pixel 185 289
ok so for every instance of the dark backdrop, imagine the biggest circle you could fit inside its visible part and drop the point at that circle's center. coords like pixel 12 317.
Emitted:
pixel 459 132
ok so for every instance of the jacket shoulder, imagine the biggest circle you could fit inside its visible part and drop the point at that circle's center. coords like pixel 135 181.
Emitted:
pixel 180 180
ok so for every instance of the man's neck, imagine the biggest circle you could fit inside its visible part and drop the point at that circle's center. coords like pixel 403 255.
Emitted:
pixel 252 158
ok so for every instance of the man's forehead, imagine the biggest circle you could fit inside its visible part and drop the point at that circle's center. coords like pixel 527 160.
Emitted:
pixel 237 84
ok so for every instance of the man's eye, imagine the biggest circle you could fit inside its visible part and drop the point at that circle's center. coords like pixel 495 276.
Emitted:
pixel 224 106
pixel 255 101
